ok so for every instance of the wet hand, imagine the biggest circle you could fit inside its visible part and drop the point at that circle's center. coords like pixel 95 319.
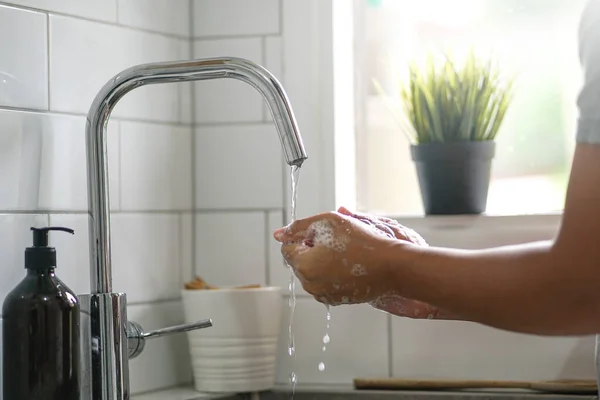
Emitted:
pixel 337 258
pixel 393 302
pixel 323 270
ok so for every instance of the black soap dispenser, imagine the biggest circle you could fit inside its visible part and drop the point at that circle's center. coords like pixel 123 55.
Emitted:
pixel 40 340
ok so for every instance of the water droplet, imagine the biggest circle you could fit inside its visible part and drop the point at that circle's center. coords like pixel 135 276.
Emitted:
pixel 324 348
pixel 293 378
pixel 326 338
pixel 328 315
pixel 321 366
pixel 291 350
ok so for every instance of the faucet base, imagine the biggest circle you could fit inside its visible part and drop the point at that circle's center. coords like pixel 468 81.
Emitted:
pixel 104 360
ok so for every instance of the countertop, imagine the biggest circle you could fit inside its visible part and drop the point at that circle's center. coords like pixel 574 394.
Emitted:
pixel 345 392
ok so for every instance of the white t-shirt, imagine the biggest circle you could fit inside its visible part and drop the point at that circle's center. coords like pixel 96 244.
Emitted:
pixel 588 125
pixel 588 102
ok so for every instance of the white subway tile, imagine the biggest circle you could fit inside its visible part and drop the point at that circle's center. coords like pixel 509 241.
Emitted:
pixel 16 237
pixel 228 100
pixel 72 251
pixel 460 350
pixel 358 344
pixel 147 256
pixel 165 361
pixel 235 17
pixel 187 244
pixel 63 182
pixel 279 272
pixel 186 109
pixel 105 10
pixel 164 16
pixel 238 167
pixel 102 52
pixel 156 167
pixel 24 61
pixel 43 162
pixel 230 248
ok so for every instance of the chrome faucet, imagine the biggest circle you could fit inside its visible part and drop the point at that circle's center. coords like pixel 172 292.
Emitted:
pixel 108 339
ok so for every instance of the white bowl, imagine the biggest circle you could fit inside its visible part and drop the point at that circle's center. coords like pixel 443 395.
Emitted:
pixel 238 353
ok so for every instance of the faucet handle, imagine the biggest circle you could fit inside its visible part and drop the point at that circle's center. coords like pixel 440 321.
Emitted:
pixel 136 336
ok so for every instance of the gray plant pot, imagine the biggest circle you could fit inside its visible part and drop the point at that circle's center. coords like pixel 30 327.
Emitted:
pixel 454 177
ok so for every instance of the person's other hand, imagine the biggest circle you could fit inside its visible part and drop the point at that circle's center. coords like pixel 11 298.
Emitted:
pixel 392 302
pixel 317 249
pixel 337 258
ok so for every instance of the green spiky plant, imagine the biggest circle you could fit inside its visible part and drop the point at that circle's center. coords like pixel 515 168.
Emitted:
pixel 445 102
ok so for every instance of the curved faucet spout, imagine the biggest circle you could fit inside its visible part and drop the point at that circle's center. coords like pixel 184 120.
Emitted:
pixel 129 79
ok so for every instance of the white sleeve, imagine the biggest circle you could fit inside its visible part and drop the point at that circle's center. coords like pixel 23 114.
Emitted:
pixel 588 102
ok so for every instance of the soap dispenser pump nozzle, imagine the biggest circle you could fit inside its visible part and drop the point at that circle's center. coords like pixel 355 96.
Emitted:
pixel 40 256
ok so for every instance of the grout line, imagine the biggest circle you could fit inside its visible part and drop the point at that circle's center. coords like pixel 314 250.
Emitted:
pixel 230 124
pixel 48 57
pixel 280 18
pixel 88 19
pixel 232 37
pixel 267 252
pixel 390 348
pixel 74 114
pixel 180 246
pixel 193 141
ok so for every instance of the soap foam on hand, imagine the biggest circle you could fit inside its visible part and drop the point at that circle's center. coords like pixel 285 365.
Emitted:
pixel 322 233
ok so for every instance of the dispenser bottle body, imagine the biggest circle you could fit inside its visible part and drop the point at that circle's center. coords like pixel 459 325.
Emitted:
pixel 40 335
pixel 41 351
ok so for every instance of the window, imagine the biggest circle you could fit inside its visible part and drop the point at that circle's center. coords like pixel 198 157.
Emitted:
pixel 534 40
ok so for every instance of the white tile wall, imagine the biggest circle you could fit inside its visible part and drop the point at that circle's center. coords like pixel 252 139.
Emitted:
pixel 216 262
pixel 59 54
pixel 101 10
pixel 165 361
pixel 74 81
pixel 23 74
pixel 156 167
pixel 147 256
pixel 42 161
pixel 457 350
pixel 236 17
pixel 164 16
pixel 238 167
pixel 358 344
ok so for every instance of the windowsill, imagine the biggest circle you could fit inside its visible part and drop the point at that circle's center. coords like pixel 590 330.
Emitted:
pixel 480 231
pixel 483 220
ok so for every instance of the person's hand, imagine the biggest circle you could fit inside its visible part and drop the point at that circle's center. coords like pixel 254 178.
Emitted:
pixel 393 302
pixel 337 258
pixel 387 225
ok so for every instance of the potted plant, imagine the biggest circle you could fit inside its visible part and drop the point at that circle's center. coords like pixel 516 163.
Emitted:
pixel 454 113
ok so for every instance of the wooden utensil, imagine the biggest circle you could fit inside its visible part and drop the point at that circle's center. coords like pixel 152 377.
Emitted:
pixel 555 386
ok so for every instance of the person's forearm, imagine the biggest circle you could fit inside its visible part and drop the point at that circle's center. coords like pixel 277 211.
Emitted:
pixel 525 288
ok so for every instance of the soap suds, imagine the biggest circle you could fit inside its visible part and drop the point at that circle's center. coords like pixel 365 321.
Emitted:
pixel 358 270
pixel 322 233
